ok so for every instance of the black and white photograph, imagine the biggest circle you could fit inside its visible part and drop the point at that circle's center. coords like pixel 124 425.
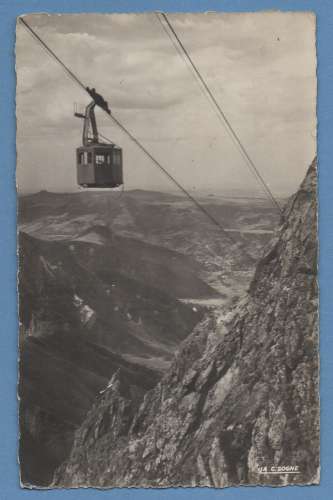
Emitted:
pixel 167 246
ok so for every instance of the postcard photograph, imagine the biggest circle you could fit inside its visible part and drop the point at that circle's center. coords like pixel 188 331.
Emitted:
pixel 167 243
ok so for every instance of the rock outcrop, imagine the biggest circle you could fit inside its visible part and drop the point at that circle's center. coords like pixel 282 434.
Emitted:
pixel 241 396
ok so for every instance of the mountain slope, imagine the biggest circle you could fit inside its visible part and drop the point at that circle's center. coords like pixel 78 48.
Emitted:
pixel 59 380
pixel 84 315
pixel 115 296
pixel 241 393
pixel 158 267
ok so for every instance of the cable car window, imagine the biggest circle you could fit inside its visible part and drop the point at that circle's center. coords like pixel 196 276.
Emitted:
pixel 100 159
pixel 89 157
pixel 116 157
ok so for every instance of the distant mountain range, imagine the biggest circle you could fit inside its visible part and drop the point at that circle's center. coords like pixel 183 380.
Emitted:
pixel 165 220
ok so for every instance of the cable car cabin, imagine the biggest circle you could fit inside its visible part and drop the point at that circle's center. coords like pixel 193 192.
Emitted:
pixel 99 166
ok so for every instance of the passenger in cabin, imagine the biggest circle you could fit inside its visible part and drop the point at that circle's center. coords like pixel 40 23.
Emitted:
pixel 99 100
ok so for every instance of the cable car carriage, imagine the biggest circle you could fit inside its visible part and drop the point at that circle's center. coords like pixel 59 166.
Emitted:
pixel 98 164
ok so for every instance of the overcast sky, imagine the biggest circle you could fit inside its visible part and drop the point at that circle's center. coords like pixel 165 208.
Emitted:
pixel 261 68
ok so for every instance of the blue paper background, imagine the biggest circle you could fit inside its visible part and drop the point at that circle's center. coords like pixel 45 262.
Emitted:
pixel 9 481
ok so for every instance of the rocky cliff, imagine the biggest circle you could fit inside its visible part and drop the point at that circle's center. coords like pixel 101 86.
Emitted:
pixel 240 399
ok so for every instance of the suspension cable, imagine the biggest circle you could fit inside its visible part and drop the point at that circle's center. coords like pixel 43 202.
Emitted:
pixel 189 67
pixel 140 145
pixel 226 121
